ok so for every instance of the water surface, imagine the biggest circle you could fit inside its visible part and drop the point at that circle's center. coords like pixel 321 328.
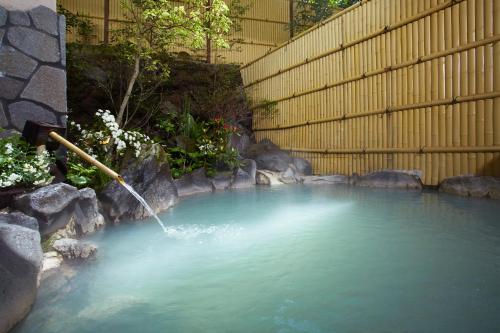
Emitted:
pixel 290 259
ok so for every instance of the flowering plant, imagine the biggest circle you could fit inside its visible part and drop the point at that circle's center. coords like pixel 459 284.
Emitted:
pixel 106 142
pixel 20 165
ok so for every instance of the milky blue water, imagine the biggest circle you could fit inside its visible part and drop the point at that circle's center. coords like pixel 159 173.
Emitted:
pixel 290 259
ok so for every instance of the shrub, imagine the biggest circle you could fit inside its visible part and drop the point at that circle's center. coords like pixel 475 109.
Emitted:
pixel 20 165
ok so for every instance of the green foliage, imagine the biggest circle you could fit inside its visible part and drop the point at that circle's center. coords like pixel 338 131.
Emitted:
pixel 157 26
pixel 21 166
pixel 195 144
pixel 309 12
pixel 266 109
pixel 81 175
pixel 77 24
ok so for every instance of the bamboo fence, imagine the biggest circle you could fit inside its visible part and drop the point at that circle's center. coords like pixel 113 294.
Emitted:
pixel 263 27
pixel 388 84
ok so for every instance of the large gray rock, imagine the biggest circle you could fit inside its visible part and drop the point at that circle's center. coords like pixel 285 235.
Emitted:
pixel 239 142
pixel 87 216
pixel 21 111
pixel 35 43
pixel 193 183
pixel 268 156
pixel 16 64
pixel 10 88
pixel 3 16
pixel 290 176
pixel 2 33
pixel 20 219
pixel 244 176
pixel 302 166
pixel 150 176
pixel 18 17
pixel 221 181
pixel 388 179
pixel 48 86
pixel 75 249
pixel 3 118
pixel 44 19
pixel 325 180
pixel 472 186
pixel 53 206
pixel 20 264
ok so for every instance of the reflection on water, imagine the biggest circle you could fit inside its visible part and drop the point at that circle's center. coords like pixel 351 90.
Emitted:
pixel 290 259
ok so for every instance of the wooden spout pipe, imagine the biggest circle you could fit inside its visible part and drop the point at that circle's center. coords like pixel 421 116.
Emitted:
pixel 86 157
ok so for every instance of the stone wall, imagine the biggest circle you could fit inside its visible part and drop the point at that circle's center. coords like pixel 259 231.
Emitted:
pixel 32 67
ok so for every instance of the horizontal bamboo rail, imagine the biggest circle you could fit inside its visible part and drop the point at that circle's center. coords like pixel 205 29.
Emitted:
pixel 420 150
pixel 341 47
pixel 306 32
pixel 413 85
pixel 388 110
pixel 486 41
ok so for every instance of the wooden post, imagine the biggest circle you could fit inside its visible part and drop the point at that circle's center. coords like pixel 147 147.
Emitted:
pixel 292 25
pixel 106 21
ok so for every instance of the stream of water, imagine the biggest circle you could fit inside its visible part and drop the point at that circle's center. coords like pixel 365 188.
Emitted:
pixel 145 205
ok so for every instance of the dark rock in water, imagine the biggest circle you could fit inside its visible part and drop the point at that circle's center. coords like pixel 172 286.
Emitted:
pixel 290 176
pixel 193 183
pixel 20 264
pixel 302 166
pixel 277 160
pixel 244 177
pixel 268 156
pixel 325 180
pixel 75 249
pixel 87 216
pixel 222 181
pixel 53 206
pixel 388 179
pixel 150 176
pixel 18 218
pixel 472 186
pixel 250 167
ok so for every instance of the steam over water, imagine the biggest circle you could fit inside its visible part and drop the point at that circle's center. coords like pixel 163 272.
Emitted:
pixel 289 259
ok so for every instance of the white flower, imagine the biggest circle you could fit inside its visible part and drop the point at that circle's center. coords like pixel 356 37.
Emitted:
pixel 8 148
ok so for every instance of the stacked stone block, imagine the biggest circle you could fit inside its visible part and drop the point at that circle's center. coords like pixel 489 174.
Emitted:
pixel 32 67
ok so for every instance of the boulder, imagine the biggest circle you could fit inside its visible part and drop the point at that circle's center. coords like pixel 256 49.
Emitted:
pixel 290 176
pixel 302 166
pixel 150 177
pixel 244 176
pixel 388 179
pixel 51 260
pixel 53 206
pixel 193 183
pixel 18 218
pixel 221 181
pixel 472 186
pixel 325 180
pixel 75 249
pixel 20 264
pixel 269 156
pixel 239 142
pixel 266 177
pixel 87 216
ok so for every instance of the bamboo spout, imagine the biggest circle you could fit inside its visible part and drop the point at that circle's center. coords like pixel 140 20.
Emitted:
pixel 86 157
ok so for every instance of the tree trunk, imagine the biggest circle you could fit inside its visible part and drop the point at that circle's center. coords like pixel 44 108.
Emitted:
pixel 131 83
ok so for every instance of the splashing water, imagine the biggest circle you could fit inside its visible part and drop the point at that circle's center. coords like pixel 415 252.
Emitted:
pixel 144 204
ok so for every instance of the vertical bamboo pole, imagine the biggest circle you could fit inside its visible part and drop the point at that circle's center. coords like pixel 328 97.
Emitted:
pixel 464 88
